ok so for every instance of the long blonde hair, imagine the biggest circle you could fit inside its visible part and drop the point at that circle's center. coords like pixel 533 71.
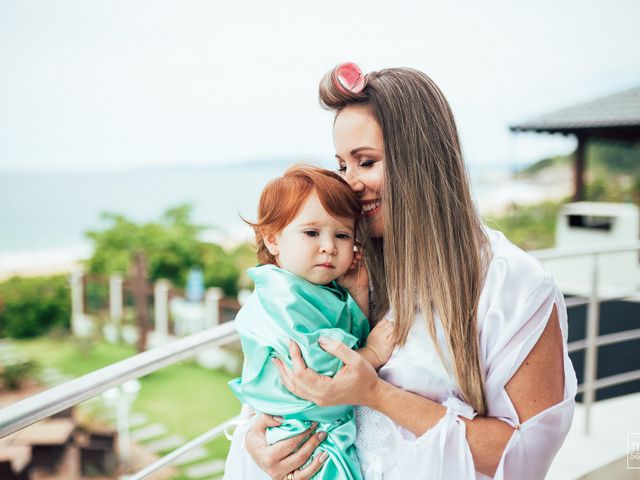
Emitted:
pixel 435 252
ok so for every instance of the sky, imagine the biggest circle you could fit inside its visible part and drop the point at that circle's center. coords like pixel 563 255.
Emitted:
pixel 113 85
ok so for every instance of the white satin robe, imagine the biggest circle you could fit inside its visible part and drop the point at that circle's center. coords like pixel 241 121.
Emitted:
pixel 515 304
pixel 514 307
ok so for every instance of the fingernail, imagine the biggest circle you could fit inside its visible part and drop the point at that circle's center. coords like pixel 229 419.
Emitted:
pixel 279 419
pixel 323 457
pixel 324 340
pixel 322 435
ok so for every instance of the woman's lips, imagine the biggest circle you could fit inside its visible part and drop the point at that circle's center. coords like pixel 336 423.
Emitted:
pixel 373 212
pixel 371 207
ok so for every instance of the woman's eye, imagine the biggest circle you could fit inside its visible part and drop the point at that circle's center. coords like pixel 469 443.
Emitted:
pixel 367 163
pixel 311 233
pixel 342 168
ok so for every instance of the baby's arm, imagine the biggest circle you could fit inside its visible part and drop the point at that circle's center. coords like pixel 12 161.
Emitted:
pixel 379 344
pixel 380 341
pixel 361 296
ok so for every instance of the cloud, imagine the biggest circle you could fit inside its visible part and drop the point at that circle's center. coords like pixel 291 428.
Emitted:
pixel 111 85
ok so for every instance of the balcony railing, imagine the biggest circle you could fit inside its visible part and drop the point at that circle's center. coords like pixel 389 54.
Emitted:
pixel 26 412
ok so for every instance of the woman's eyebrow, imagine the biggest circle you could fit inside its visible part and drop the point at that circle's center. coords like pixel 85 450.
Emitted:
pixel 355 151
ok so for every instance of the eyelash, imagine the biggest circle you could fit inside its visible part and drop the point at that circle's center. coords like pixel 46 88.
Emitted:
pixel 313 234
pixel 364 163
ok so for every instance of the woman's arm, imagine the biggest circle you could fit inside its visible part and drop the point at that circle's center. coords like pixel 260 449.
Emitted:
pixel 537 385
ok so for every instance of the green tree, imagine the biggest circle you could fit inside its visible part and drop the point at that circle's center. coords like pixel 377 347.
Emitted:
pixel 171 245
pixel 172 248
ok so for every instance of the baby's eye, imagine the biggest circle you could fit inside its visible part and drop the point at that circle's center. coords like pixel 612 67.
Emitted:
pixel 311 233
pixel 343 236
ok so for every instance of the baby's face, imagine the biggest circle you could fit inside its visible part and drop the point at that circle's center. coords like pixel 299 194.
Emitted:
pixel 315 245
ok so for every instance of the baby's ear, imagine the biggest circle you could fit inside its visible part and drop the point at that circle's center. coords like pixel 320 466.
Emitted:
pixel 270 241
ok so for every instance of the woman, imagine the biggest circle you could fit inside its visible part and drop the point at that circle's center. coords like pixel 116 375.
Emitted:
pixel 480 383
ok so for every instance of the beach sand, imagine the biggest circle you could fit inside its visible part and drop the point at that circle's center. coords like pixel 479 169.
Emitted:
pixel 42 263
pixel 500 191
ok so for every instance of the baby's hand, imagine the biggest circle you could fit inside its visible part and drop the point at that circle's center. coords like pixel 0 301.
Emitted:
pixel 379 345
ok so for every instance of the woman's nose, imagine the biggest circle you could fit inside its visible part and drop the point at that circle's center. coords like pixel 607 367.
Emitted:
pixel 354 182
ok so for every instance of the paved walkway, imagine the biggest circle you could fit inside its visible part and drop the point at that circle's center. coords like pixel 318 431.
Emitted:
pixel 611 421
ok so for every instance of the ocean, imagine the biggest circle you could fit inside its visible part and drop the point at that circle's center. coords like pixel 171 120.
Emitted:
pixel 47 212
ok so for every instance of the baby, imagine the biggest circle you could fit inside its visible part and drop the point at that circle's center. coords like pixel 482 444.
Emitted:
pixel 307 286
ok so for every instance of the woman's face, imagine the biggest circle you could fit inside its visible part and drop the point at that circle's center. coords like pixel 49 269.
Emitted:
pixel 360 153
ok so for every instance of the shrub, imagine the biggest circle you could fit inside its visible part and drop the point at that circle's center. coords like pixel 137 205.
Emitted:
pixel 31 306
pixel 13 374
pixel 530 227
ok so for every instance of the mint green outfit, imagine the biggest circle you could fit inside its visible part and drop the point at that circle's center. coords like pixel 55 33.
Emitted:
pixel 284 306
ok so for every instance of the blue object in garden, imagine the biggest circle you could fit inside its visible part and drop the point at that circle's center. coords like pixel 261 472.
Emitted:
pixel 195 285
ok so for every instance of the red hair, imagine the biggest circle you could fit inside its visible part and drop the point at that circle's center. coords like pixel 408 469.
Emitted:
pixel 283 197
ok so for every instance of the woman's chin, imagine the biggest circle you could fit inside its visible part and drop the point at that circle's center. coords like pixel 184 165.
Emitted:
pixel 376 227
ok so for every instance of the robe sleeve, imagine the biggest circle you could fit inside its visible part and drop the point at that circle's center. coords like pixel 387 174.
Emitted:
pixel 519 300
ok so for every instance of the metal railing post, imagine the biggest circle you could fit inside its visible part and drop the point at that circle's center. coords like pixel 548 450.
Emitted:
pixel 591 350
pixel 161 307
pixel 115 298
pixel 212 307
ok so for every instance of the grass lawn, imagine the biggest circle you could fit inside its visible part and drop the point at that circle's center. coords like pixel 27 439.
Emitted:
pixel 185 397
pixel 530 227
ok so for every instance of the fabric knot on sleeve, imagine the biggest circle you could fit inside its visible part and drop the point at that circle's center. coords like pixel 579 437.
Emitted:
pixel 458 408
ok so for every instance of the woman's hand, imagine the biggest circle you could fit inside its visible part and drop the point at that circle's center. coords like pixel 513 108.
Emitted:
pixel 356 383
pixel 282 458
pixel 356 279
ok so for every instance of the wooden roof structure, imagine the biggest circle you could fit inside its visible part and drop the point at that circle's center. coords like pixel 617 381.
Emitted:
pixel 614 117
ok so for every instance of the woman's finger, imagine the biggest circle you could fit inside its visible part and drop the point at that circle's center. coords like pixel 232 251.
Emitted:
pixel 286 375
pixel 314 467
pixel 338 349
pixel 296 357
pixel 285 448
pixel 263 421
pixel 300 457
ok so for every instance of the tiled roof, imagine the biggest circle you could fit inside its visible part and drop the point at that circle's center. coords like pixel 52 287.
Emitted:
pixel 617 110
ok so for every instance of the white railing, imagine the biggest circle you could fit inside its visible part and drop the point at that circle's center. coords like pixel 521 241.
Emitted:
pixel 42 405
pixel 54 400
pixel 592 339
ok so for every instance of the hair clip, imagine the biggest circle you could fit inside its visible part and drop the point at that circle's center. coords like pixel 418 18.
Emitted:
pixel 348 78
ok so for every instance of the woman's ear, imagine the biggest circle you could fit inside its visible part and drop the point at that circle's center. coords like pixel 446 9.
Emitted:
pixel 271 242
